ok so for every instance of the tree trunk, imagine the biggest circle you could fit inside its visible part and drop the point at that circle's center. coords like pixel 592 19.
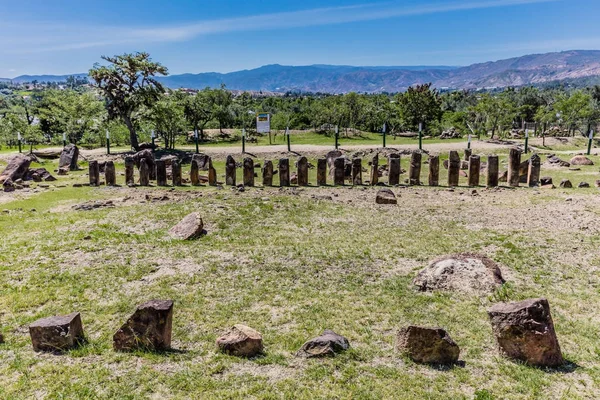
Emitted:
pixel 132 134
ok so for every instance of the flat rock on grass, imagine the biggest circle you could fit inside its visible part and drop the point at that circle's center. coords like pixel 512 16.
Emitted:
pixel 427 345
pixel 466 273
pixel 328 344
pixel 191 227
pixel 57 334
pixel 241 341
pixel 386 196
pixel 581 160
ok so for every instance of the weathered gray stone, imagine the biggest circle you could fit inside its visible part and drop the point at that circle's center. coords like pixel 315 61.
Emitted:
pixel 328 344
pixel 514 163
pixel 110 175
pixel 474 168
pixel 414 170
pixel 241 341
pixel 427 345
pixel 339 175
pixel 129 174
pixel 230 171
pixel 357 171
pixel 321 172
pixel 57 334
pixel 94 172
pixel 394 169
pixel 191 227
pixel 453 168
pixel 144 173
pixel 176 172
pixel 69 157
pixel 16 169
pixel 374 176
pixel 284 172
pixel 267 173
pixel 194 173
pixel 149 328
pixel 533 174
pixel 493 171
pixel 302 171
pixel 434 170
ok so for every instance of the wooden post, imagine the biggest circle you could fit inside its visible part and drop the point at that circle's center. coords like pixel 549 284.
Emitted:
pixel 468 153
pixel 230 171
pixel 194 173
pixel 533 175
pixel 302 171
pixel 414 170
pixel 339 171
pixel 248 172
pixel 161 173
pixel 322 172
pixel 374 170
pixel 493 168
pixel 357 171
pixel 94 171
pixel 144 173
pixel 212 173
pixel 176 171
pixel 434 170
pixel 514 161
pixel 474 166
pixel 110 175
pixel 267 173
pixel 129 168
pixel 394 169
pixel 284 172
pixel 453 168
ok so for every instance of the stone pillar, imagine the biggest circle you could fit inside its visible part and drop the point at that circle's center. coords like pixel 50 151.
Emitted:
pixel 129 177
pixel 284 172
pixel 161 173
pixel 144 173
pixel 230 171
pixel 468 153
pixel 194 173
pixel 394 170
pixel 414 171
pixel 493 168
pixel 434 170
pixel 302 171
pixel 533 175
pixel 321 172
pixel 474 166
pixel 94 171
pixel 339 171
pixel 357 171
pixel 374 170
pixel 453 168
pixel 110 174
pixel 267 173
pixel 248 172
pixel 514 161
pixel 212 173
pixel 176 171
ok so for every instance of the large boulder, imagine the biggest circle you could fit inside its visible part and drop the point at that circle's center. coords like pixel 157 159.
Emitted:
pixel 524 331
pixel 328 344
pixel 581 160
pixel 191 227
pixel 386 196
pixel 427 345
pixel 466 273
pixel 69 157
pixel 56 334
pixel 149 328
pixel 241 341
pixel 16 169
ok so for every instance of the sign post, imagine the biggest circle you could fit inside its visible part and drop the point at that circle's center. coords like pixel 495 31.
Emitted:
pixel 384 132
pixel 469 141
pixel 591 139
pixel 196 140
pixel 64 139
pixel 287 133
pixel 337 136
pixel 526 141
pixel 19 140
pixel 243 140
pixel 107 142
pixel 420 136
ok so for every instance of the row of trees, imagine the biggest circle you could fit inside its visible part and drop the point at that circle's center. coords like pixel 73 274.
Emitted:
pixel 125 97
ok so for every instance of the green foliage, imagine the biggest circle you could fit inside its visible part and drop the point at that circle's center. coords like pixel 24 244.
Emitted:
pixel 420 104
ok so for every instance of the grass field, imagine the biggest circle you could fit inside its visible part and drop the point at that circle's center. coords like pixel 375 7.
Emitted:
pixel 291 265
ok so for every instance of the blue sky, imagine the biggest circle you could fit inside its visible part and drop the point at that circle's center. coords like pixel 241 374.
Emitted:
pixel 68 36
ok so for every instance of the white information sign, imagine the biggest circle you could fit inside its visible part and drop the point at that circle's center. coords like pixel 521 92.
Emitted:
pixel 263 123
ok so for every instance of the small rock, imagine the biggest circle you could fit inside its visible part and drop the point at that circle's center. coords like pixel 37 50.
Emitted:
pixel 328 344
pixel 191 227
pixel 241 341
pixel 597 183
pixel 546 180
pixel 149 328
pixel 581 160
pixel 566 184
pixel 583 185
pixel 56 334
pixel 427 345
pixel 386 196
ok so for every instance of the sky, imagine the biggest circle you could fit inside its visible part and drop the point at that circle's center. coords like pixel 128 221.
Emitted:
pixel 193 36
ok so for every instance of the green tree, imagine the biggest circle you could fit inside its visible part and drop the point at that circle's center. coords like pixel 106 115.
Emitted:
pixel 420 104
pixel 199 109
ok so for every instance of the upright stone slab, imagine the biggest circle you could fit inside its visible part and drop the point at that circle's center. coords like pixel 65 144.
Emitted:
pixel 176 171
pixel 453 168
pixel 514 161
pixel 212 173
pixel 248 172
pixel 230 171
pixel 468 153
pixel 129 174
pixel 533 175
pixel 339 171
pixel 161 173
pixel 434 170
pixel 394 170
pixel 302 171
pixel 474 167
pixel 94 172
pixel 357 171
pixel 493 168
pixel 414 170
pixel 267 173
pixel 194 173
pixel 149 328
pixel 203 161
pixel 321 172
pixel 144 173
pixel 284 172
pixel 57 334
pixel 110 175
pixel 374 176
pixel 68 157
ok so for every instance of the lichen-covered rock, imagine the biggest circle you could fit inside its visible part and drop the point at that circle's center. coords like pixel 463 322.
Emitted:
pixel 427 345
pixel 241 341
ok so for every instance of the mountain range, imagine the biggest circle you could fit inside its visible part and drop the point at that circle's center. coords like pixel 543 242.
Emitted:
pixel 535 69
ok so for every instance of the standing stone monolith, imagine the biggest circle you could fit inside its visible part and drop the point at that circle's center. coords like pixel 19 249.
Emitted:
pixel 176 171
pixel 525 331
pixel 394 169
pixel 321 172
pixel 248 172
pixel 144 173
pixel 110 175
pixel 468 153
pixel 161 173
pixel 414 170
pixel 434 170
pixel 474 167
pixel 374 176
pixel 357 171
pixel 267 173
pixel 212 173
pixel 514 162
pixel 194 173
pixel 533 175
pixel 68 157
pixel 149 328
pixel 129 174
pixel 493 168
pixel 57 334
pixel 284 172
pixel 94 171
pixel 230 171
pixel 453 168
pixel 339 171
pixel 302 171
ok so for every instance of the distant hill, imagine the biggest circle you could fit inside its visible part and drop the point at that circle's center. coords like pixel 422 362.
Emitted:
pixel 45 78
pixel 535 69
